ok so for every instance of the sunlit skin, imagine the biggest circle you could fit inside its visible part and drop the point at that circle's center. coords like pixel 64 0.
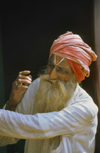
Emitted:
pixel 61 71
pixel 24 79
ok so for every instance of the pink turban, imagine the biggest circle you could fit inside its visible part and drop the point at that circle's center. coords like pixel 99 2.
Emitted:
pixel 78 53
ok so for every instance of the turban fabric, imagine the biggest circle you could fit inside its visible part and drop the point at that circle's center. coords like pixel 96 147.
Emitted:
pixel 77 52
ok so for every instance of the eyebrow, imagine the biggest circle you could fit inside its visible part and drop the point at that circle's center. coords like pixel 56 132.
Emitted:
pixel 50 62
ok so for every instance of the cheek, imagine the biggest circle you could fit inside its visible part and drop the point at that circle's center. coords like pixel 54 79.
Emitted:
pixel 69 77
pixel 64 77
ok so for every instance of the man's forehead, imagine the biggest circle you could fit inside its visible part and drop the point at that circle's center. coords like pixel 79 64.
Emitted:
pixel 60 62
pixel 57 60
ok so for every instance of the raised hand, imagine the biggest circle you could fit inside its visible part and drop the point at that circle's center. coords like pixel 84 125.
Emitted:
pixel 19 87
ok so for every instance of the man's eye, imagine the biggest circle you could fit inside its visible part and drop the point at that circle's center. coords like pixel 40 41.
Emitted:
pixel 60 69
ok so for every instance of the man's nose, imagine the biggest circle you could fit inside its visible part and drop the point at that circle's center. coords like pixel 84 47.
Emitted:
pixel 53 74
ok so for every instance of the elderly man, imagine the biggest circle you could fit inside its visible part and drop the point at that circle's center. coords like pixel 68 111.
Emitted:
pixel 55 115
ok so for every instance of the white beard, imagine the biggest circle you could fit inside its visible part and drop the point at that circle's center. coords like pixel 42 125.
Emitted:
pixel 53 95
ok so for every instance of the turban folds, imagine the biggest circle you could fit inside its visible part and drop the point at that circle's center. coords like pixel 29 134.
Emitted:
pixel 78 53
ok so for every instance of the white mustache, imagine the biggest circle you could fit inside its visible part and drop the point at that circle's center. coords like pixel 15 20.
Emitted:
pixel 52 81
pixel 46 78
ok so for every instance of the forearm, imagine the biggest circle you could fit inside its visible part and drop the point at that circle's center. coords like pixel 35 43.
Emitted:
pixel 10 106
pixel 19 87
pixel 44 125
pixel 19 126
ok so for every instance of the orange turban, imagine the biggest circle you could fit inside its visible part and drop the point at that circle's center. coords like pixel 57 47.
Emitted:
pixel 78 53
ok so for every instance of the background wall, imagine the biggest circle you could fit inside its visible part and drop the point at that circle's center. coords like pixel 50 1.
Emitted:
pixel 2 91
pixel 28 30
pixel 97 49
pixel 97 40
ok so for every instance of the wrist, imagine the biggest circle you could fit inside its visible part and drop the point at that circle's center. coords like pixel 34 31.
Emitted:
pixel 10 106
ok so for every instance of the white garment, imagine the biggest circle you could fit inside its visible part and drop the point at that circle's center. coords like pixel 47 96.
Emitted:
pixel 76 124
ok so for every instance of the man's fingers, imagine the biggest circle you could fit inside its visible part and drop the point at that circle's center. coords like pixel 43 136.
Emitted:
pixel 25 72
pixel 22 87
pixel 25 77
pixel 30 76
pixel 24 81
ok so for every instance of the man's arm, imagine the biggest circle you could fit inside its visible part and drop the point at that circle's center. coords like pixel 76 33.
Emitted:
pixel 19 87
pixel 73 119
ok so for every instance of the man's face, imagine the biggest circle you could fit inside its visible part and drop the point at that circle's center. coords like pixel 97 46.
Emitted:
pixel 56 87
pixel 59 68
